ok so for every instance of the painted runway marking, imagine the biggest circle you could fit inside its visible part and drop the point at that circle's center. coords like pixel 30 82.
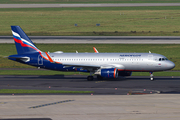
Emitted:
pixel 3 102
pixel 99 81
pixel 51 104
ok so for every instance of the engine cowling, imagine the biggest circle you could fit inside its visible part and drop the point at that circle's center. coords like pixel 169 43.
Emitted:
pixel 109 73
pixel 124 73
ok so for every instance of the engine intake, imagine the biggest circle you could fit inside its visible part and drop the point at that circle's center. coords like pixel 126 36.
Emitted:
pixel 109 73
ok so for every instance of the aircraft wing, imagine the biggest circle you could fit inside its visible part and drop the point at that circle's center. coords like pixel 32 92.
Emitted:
pixel 95 67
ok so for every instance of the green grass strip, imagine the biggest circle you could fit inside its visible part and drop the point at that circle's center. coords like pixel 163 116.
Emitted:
pixel 39 72
pixel 92 8
pixel 83 1
pixel 114 21
pixel 23 91
pixel 165 73
pixel 61 73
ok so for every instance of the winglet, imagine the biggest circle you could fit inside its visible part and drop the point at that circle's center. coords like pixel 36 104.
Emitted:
pixel 50 59
pixel 95 50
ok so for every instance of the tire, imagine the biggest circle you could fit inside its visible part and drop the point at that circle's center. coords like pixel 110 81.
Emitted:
pixel 99 77
pixel 90 78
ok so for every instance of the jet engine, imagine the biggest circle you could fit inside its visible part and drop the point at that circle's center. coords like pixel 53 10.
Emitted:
pixel 107 73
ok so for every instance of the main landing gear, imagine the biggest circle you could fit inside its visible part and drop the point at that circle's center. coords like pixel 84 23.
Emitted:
pixel 151 76
pixel 99 77
pixel 90 78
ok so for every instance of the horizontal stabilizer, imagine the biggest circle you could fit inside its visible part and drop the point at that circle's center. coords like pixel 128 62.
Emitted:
pixel 21 58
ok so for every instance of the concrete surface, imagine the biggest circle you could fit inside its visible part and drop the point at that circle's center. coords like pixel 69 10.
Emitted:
pixel 99 39
pixel 137 84
pixel 85 5
pixel 92 107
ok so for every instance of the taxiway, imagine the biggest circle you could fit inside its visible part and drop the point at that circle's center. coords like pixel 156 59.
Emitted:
pixel 85 5
pixel 99 39
pixel 119 86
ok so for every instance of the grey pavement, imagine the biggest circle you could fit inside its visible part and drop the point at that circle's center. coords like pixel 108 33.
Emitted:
pixel 120 86
pixel 91 107
pixel 85 5
pixel 99 39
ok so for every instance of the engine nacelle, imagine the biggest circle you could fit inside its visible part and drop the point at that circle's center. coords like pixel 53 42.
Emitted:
pixel 124 73
pixel 109 73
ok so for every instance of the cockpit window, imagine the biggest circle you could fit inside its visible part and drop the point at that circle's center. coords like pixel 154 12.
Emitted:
pixel 162 59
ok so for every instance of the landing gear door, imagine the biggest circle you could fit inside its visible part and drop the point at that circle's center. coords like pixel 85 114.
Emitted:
pixel 40 60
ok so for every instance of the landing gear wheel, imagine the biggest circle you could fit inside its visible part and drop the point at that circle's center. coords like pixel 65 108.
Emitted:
pixel 99 77
pixel 151 77
pixel 90 78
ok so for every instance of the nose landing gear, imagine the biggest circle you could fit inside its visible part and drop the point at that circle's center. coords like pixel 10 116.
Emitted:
pixel 151 76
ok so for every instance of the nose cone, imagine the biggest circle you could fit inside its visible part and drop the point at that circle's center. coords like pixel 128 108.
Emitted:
pixel 171 65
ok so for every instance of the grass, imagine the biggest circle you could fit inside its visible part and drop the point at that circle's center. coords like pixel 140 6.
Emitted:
pixel 39 72
pixel 158 21
pixel 92 8
pixel 169 50
pixel 164 73
pixel 23 91
pixel 50 72
pixel 85 1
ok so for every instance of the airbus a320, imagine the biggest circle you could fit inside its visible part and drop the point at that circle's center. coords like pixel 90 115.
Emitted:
pixel 103 65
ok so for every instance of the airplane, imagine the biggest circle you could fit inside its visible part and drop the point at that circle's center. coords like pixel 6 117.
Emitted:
pixel 103 65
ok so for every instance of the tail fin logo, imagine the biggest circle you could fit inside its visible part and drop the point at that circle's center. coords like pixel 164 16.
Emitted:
pixel 23 42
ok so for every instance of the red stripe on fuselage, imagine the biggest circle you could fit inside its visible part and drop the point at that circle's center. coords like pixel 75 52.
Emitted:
pixel 49 57
pixel 120 69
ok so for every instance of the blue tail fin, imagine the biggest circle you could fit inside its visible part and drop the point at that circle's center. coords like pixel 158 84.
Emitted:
pixel 23 43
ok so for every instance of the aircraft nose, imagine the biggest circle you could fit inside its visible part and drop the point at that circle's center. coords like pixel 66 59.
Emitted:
pixel 171 65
